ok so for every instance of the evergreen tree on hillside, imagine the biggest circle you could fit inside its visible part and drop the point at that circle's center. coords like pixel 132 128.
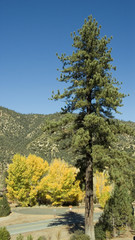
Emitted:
pixel 94 94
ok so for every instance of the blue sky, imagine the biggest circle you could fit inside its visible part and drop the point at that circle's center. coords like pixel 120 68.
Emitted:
pixel 32 31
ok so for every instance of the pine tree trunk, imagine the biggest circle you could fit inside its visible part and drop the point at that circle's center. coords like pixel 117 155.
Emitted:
pixel 89 204
pixel 114 229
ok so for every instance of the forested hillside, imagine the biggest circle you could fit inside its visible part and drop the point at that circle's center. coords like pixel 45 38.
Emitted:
pixel 23 133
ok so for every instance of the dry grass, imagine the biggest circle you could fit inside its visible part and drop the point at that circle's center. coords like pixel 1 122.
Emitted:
pixel 55 233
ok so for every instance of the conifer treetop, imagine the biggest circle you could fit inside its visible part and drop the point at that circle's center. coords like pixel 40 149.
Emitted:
pixel 91 87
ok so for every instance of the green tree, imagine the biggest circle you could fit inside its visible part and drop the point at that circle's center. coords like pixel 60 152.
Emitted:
pixel 118 211
pixel 4 207
pixel 94 94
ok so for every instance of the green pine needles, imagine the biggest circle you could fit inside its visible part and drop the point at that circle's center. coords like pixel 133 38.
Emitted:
pixel 4 207
pixel 94 94
pixel 92 88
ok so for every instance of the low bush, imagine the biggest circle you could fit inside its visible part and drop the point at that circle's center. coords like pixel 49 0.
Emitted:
pixel 29 237
pixel 42 238
pixel 20 237
pixel 100 233
pixel 4 234
pixel 79 235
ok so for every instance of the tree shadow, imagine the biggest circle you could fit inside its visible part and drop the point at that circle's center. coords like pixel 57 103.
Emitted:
pixel 73 220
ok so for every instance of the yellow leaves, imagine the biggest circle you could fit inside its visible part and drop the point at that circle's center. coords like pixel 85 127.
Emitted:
pixel 60 185
pixel 23 175
pixel 31 179
pixel 36 167
pixel 103 190
pixel 16 174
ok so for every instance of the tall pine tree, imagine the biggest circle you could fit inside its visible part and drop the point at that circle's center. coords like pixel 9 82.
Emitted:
pixel 94 94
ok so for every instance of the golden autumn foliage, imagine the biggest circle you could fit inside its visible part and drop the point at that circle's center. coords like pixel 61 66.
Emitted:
pixel 103 189
pixel 31 180
pixel 36 169
pixel 60 185
pixel 24 175
pixel 17 182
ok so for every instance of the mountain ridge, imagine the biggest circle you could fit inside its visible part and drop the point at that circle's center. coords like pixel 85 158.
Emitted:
pixel 23 133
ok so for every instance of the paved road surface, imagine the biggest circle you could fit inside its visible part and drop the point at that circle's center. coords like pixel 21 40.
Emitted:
pixel 65 218
pixel 44 210
pixel 28 227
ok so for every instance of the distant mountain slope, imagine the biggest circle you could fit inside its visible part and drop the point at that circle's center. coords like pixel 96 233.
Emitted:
pixel 17 131
pixel 22 133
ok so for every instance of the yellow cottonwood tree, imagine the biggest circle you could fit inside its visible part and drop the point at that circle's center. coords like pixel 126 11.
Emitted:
pixel 24 175
pixel 103 189
pixel 60 185
pixel 36 169
pixel 17 181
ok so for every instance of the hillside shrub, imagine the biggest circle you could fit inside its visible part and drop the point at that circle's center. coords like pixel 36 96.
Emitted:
pixel 4 234
pixel 29 237
pixel 79 235
pixel 4 207
pixel 20 237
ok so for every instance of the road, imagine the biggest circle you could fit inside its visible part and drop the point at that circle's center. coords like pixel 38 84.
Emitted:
pixel 28 227
pixel 62 217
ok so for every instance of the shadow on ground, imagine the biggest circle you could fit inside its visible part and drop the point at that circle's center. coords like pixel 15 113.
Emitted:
pixel 72 220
